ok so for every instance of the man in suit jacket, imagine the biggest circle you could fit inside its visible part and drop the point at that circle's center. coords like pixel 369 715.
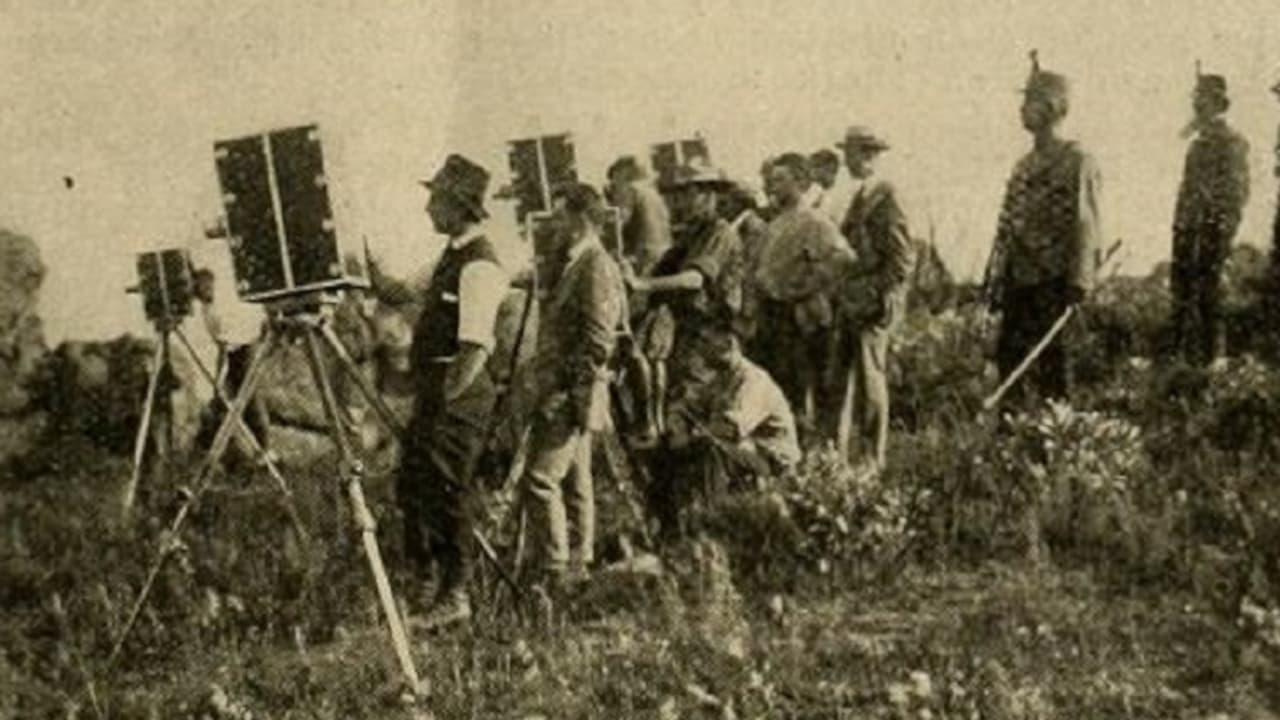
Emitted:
pixel 872 300
pixel 576 339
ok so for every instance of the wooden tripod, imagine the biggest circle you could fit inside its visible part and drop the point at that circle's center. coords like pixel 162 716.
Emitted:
pixel 307 318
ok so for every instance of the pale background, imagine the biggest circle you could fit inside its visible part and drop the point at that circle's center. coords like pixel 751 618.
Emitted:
pixel 127 96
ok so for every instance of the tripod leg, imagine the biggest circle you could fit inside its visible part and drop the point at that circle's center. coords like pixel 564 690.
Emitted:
pixel 370 393
pixel 221 440
pixel 248 437
pixel 144 430
pixel 351 471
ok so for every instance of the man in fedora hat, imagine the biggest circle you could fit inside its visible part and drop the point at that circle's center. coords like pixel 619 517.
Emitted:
pixel 1211 199
pixel 872 299
pixel 1045 255
pixel 792 283
pixel 454 393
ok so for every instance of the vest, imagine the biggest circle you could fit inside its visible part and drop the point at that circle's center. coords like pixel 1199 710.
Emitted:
pixel 435 336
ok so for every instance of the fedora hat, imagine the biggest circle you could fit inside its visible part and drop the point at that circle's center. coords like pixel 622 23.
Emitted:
pixel 463 180
pixel 861 136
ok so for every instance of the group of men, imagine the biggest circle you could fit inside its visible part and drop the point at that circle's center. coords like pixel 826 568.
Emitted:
pixel 725 319
pixel 747 331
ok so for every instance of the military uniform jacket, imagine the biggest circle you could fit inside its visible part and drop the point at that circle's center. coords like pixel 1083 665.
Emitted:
pixel 1050 225
pixel 1215 186
pixel 876 229
pixel 577 327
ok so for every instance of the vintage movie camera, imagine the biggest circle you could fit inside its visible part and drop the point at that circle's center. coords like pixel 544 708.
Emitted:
pixel 539 165
pixel 165 284
pixel 668 157
pixel 279 220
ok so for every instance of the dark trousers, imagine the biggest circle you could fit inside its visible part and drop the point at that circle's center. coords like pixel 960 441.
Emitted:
pixel 255 413
pixel 1196 282
pixel 696 473
pixel 433 487
pixel 797 362
pixel 1028 313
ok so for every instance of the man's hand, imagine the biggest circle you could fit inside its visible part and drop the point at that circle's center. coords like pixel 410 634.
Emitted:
pixel 1075 295
pixel 464 370
pixel 723 428
pixel 634 282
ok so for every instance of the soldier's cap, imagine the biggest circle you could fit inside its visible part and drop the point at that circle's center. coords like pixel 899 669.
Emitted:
pixel 699 172
pixel 861 136
pixel 463 180
pixel 1212 85
pixel 1047 85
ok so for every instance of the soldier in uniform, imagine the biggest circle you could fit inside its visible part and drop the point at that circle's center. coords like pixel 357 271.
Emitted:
pixel 1211 199
pixel 454 393
pixel 1045 255
pixel 793 282
pixel 872 300
pixel 576 337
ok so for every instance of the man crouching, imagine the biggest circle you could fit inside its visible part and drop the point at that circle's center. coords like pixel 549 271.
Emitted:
pixel 735 431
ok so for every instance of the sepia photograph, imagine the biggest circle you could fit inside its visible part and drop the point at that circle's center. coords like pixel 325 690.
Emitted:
pixel 689 359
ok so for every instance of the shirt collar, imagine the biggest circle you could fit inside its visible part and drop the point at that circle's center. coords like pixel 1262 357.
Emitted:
pixel 576 250
pixel 465 239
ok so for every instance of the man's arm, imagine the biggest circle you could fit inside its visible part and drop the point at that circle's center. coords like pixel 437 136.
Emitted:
pixel 387 289
pixel 599 297
pixel 480 292
pixel 1088 230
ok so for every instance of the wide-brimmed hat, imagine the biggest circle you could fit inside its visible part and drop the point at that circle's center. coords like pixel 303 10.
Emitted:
pixel 700 172
pixel 861 136
pixel 463 180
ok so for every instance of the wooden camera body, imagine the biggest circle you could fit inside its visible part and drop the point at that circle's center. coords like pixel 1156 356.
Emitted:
pixel 165 284
pixel 539 165
pixel 279 218
pixel 668 157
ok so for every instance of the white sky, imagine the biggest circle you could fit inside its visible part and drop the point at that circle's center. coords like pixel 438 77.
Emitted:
pixel 127 97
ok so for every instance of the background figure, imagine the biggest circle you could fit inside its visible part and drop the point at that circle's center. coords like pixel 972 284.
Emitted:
pixel 736 431
pixel 646 238
pixel 795 276
pixel 872 301
pixel 236 328
pixel 1211 199
pixel 577 332
pixel 825 195
pixel 1045 255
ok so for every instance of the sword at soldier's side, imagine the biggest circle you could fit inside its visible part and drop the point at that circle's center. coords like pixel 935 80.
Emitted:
pixel 994 398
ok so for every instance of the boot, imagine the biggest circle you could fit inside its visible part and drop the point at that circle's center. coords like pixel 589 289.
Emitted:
pixel 450 607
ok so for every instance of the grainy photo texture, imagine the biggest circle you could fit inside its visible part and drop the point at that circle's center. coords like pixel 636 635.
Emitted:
pixel 688 359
